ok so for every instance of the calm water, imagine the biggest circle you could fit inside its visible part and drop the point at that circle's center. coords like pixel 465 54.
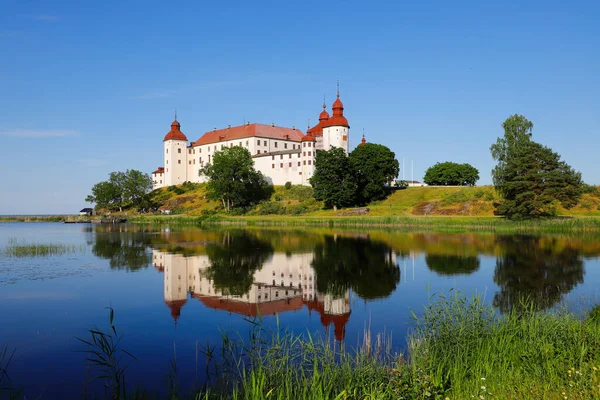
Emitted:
pixel 174 288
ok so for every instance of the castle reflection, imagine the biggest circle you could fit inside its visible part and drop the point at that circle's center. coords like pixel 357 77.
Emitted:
pixel 284 282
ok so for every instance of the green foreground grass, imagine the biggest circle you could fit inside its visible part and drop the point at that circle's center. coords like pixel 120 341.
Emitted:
pixel 458 348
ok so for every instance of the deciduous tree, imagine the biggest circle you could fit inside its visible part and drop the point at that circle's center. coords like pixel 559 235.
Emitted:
pixel 374 167
pixel 451 174
pixel 233 179
pixel 333 180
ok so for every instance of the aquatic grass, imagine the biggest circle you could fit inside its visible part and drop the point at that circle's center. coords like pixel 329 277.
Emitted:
pixel 104 354
pixel 465 346
pixel 21 250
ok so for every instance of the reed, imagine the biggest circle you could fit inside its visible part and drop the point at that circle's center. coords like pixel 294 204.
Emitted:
pixel 21 250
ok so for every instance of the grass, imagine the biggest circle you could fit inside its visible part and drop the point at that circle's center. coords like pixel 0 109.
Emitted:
pixel 21 250
pixel 458 349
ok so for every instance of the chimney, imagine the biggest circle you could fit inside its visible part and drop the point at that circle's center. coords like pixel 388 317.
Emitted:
pixel 272 123
pixel 215 129
pixel 228 126
pixel 293 128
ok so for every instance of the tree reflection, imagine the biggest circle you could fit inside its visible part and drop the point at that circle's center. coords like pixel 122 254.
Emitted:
pixel 123 249
pixel 452 264
pixel 367 267
pixel 234 262
pixel 535 269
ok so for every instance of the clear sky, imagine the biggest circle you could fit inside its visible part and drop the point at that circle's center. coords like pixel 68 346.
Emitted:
pixel 90 87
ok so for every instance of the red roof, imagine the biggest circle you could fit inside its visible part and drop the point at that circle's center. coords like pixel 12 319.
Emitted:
pixel 363 141
pixel 250 130
pixel 175 132
pixel 317 130
pixel 337 119
pixel 159 170
pixel 308 138
pixel 251 309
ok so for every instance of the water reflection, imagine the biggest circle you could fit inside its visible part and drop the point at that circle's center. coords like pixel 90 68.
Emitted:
pixel 252 272
pixel 541 269
pixel 444 264
pixel 124 247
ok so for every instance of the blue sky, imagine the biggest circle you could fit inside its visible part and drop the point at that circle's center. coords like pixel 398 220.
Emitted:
pixel 90 87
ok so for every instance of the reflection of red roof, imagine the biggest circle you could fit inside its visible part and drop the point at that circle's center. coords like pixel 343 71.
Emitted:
pixel 251 309
pixel 159 170
pixel 175 132
pixel 339 321
pixel 250 130
pixel 175 307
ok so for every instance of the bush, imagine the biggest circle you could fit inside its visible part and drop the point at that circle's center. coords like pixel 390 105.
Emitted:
pixel 288 185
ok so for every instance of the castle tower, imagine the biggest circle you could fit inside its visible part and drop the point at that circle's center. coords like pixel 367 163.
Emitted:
pixel 336 130
pixel 308 157
pixel 175 154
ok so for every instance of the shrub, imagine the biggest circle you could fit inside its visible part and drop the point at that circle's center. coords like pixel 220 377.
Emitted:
pixel 288 185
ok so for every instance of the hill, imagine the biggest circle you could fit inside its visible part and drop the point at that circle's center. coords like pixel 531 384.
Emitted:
pixel 189 199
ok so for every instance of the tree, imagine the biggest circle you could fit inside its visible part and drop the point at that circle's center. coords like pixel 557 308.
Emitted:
pixel 530 177
pixel 122 188
pixel 451 174
pixel 105 194
pixel 233 179
pixel 333 181
pixel 374 168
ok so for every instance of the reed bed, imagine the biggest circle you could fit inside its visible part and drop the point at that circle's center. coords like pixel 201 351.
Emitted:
pixel 22 250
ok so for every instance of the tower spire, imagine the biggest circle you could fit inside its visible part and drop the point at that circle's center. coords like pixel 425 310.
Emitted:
pixel 338 88
pixel 324 102
pixel 175 114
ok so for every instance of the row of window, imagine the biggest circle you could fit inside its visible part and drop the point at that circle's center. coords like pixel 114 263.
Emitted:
pixel 290 164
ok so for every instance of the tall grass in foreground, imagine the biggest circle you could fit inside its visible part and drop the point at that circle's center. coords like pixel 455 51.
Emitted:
pixel 459 349
pixel 20 250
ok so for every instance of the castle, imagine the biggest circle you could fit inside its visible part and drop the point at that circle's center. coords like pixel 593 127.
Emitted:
pixel 281 154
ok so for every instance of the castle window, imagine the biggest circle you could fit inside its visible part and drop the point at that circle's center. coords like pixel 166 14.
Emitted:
pixel 258 152
pixel 161 181
pixel 304 144
pixel 200 150
pixel 304 162
pixel 194 161
pixel 179 151
pixel 285 145
pixel 298 163
pixel 309 144
pixel 264 142
pixel 167 151
pixel 309 162
pixel 240 144
pixel 258 142
pixel 300 173
pixel 215 148
pixel 290 165
pixel 178 161
pixel 304 154
pixel 272 157
pixel 275 144
pixel 189 151
pixel 309 154
pixel 290 156
pixel 281 165
pixel 246 143
pixel 272 165
pixel 281 156
pixel 293 146
pixel 167 161
pixel 167 169
pixel 190 162
pixel 194 151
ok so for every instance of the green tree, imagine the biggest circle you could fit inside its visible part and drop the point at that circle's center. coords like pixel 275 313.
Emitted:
pixel 451 174
pixel 105 194
pixel 122 188
pixel 135 186
pixel 233 179
pixel 333 181
pixel 374 167
pixel 530 177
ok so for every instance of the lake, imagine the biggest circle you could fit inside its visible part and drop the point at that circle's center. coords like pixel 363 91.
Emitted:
pixel 176 290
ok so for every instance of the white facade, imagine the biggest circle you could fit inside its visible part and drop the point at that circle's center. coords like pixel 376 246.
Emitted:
pixel 281 154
